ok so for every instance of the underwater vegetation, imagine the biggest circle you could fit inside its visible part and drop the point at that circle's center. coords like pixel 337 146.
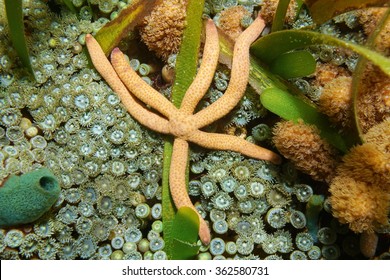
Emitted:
pixel 82 177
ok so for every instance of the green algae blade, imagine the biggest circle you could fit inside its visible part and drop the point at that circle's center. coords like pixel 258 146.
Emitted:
pixel 185 227
pixel 269 47
pixel 111 34
pixel 280 14
pixel 358 74
pixel 312 213
pixel 14 14
pixel 186 66
pixel 294 64
pixel 186 61
pixel 168 208
pixel 299 4
pixel 323 10
pixel 290 107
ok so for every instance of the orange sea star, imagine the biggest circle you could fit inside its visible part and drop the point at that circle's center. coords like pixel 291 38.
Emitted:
pixel 182 123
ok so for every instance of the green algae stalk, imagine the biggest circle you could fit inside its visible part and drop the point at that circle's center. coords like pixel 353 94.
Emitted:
pixel 14 11
pixel 186 66
pixel 24 199
pixel 313 209
pixel 278 22
pixel 112 33
pixel 70 6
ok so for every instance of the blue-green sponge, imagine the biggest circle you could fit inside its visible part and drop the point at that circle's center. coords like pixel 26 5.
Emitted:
pixel 23 199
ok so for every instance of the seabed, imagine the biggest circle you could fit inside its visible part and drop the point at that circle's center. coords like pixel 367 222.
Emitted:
pixel 100 193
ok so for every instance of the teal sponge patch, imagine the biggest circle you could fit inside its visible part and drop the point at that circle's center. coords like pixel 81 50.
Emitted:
pixel 25 198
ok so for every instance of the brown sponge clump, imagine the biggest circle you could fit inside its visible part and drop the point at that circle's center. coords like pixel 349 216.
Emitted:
pixel 230 21
pixel 373 98
pixel 369 18
pixel 335 100
pixel 268 10
pixel 379 135
pixel 163 28
pixel 368 164
pixel 302 144
pixel 361 205
pixel 360 193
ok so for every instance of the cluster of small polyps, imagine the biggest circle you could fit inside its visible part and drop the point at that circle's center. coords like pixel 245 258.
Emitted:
pixel 255 210
pixel 109 8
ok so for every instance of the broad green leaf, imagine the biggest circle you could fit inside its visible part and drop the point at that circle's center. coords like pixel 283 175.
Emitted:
pixel 358 74
pixel 280 15
pixel 111 34
pixel 185 228
pixel 290 107
pixel 294 64
pixel 14 14
pixel 186 66
pixel 273 45
pixel 323 10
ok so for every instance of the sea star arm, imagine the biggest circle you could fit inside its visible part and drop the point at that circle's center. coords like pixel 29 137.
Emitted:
pixel 218 141
pixel 140 113
pixel 238 80
pixel 206 70
pixel 177 183
pixel 139 87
